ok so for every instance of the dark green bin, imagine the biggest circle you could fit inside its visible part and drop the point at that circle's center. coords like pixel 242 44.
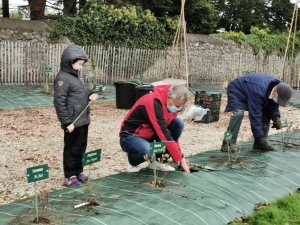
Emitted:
pixel 141 90
pixel 125 94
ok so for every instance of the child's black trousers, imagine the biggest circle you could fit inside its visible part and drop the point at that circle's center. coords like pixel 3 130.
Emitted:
pixel 75 146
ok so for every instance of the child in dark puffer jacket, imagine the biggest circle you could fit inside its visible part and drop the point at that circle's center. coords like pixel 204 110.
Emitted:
pixel 70 100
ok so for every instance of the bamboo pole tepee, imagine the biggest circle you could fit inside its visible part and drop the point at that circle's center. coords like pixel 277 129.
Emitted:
pixel 293 25
pixel 179 47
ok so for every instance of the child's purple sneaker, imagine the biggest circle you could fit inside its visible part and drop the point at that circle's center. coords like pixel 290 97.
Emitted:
pixel 71 182
pixel 83 178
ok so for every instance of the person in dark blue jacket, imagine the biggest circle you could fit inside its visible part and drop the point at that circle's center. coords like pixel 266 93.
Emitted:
pixel 260 95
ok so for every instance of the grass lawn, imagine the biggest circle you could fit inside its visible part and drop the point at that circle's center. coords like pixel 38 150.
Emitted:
pixel 284 211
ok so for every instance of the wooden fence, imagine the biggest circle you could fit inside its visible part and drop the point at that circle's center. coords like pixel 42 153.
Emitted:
pixel 25 62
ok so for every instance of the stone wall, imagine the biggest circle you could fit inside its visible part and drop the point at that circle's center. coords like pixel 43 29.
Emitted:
pixel 198 42
pixel 213 60
pixel 23 30
pixel 26 30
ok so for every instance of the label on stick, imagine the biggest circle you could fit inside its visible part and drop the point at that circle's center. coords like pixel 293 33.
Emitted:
pixel 157 147
pixel 91 157
pixel 37 173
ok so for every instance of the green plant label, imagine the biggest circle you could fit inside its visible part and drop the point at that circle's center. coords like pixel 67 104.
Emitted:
pixel 157 147
pixel 245 72
pixel 91 157
pixel 98 88
pixel 138 76
pixel 284 123
pixel 90 74
pixel 227 136
pixel 37 173
pixel 48 69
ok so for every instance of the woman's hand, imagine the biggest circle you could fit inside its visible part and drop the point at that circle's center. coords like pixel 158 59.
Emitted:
pixel 184 163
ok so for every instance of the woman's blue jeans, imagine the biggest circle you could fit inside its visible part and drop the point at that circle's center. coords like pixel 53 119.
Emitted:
pixel 137 147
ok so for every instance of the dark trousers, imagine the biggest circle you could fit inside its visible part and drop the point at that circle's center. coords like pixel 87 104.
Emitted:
pixel 75 146
pixel 236 121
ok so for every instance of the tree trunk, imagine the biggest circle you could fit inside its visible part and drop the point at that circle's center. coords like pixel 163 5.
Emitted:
pixel 37 9
pixel 5 8
pixel 82 3
pixel 69 7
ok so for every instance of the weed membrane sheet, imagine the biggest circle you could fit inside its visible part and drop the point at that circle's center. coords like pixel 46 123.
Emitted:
pixel 33 96
pixel 202 197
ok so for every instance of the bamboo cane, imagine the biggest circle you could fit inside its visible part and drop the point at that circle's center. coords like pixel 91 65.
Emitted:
pixel 178 69
pixel 293 46
pixel 287 44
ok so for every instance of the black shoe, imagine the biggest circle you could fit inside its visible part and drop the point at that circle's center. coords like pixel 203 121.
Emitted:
pixel 264 148
pixel 224 147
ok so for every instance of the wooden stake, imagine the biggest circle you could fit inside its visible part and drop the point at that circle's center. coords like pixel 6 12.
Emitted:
pixel 298 78
pixel 288 41
pixel 293 46
pixel 177 67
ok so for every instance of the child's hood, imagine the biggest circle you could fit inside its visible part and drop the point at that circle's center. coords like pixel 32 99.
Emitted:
pixel 70 53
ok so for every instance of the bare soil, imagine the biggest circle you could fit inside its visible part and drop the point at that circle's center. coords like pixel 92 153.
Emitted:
pixel 31 137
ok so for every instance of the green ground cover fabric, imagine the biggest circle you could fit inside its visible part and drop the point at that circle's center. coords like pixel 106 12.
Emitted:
pixel 202 197
pixel 32 96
